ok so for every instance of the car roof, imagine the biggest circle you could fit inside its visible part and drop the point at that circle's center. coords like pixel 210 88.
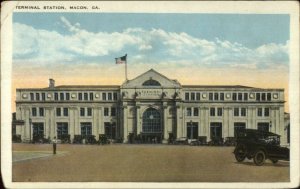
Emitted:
pixel 259 132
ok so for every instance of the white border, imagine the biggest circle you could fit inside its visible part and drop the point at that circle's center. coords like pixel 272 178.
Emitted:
pixel 248 7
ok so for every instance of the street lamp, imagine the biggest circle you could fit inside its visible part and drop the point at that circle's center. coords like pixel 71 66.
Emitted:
pixel 270 125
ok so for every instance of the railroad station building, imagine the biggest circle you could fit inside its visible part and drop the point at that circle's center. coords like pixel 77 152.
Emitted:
pixel 149 106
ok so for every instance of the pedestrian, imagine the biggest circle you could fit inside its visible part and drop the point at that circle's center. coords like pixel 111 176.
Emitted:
pixel 54 145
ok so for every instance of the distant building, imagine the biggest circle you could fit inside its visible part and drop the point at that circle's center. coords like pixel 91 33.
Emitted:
pixel 150 106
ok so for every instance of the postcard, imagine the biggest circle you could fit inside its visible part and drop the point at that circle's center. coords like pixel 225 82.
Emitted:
pixel 150 94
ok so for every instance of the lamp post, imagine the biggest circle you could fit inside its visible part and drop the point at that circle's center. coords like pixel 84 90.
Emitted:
pixel 270 125
pixel 30 122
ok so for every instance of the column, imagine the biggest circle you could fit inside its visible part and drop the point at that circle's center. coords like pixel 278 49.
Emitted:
pixel 48 121
pixel 226 125
pixel 202 130
pixel 230 122
pixel 137 123
pixel 72 122
pixel 165 140
pixel 101 122
pixel 125 125
pixel 52 125
pixel 178 121
pixel 27 130
pixel 95 122
pixel 207 126
pixel 76 121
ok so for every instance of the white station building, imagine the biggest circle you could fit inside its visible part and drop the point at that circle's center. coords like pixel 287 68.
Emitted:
pixel 148 106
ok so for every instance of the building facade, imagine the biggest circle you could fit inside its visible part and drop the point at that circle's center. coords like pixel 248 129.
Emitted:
pixel 149 106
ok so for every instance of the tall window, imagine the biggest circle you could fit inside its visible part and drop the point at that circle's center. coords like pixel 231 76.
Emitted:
pixel 240 96
pixel 31 96
pixel 113 111
pixel 236 112
pixel 216 96
pixel 192 96
pixel 220 112
pixel 86 128
pixel 55 96
pixel 196 111
pixel 221 96
pixel 245 96
pixel 86 96
pixel 43 96
pixel 197 96
pixel 79 96
pixel 58 111
pixel 267 112
pixel 187 96
pixel 238 127
pixel 89 111
pixel 103 96
pixel 269 96
pixel 62 96
pixel 243 112
pixel 257 96
pixel 37 96
pixel 82 112
pixel 106 112
pixel 109 97
pixel 61 129
pixel 234 96
pixel 151 121
pixel 259 112
pixel 91 96
pixel 115 96
pixel 41 111
pixel 189 111
pixel 67 96
pixel 211 96
pixel 33 112
pixel 212 112
pixel 263 96
pixel 66 112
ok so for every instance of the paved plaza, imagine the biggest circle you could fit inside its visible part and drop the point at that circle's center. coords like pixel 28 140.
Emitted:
pixel 138 163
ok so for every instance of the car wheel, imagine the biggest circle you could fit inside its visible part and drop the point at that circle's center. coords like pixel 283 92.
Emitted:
pixel 259 158
pixel 240 153
pixel 274 161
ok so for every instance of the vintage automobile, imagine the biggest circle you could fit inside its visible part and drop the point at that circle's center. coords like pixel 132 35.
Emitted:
pixel 181 140
pixel 259 145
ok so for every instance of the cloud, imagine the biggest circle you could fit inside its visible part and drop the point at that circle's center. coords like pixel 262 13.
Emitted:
pixel 153 46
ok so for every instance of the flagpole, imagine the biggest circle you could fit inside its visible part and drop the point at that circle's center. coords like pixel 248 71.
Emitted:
pixel 126 70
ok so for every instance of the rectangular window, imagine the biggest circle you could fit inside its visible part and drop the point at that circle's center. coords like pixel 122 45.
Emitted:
pixel 62 96
pixel 267 112
pixel 246 96
pixel 62 130
pixel 86 96
pixel 239 127
pixel 233 96
pixel 79 96
pixel 259 112
pixel 243 112
pixel 196 111
pixel 67 96
pixel 86 129
pixel 269 96
pixel 187 96
pixel 220 112
pixel 113 111
pixel 31 96
pixel 103 96
pixel 82 111
pixel 216 96
pixel 37 96
pixel 89 111
pixel 192 96
pixel 197 96
pixel 188 111
pixel 257 96
pixel 33 112
pixel 55 96
pixel 211 95
pixel 263 96
pixel 43 96
pixel 236 112
pixel 115 96
pixel 109 97
pixel 66 112
pixel 58 112
pixel 91 96
pixel 105 111
pixel 212 112
pixel 221 96
pixel 41 111
pixel 240 96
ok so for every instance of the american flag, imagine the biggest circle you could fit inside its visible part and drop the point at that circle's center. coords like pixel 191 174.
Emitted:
pixel 121 60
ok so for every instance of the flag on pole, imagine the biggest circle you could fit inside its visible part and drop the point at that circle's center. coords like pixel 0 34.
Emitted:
pixel 121 60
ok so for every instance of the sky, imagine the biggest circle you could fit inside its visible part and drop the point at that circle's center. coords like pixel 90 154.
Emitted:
pixel 204 49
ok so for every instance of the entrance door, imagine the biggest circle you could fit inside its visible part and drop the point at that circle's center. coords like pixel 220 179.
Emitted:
pixel 263 126
pixel 238 127
pixel 192 130
pixel 86 128
pixel 215 130
pixel 37 132
pixel 151 128
pixel 110 130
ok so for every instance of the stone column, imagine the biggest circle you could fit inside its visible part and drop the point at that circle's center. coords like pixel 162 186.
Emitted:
pixel 27 127
pixel 230 122
pixel 178 121
pixel 165 114
pixel 95 122
pixel 48 121
pixel 52 124
pixel 101 122
pixel 72 122
pixel 226 131
pixel 137 123
pixel 125 124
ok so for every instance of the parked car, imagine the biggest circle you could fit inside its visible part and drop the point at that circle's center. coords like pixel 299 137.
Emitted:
pixel 181 140
pixel 230 141
pixel 199 142
pixel 260 145
pixel 216 141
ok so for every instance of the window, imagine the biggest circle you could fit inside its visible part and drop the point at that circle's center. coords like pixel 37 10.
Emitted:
pixel 86 96
pixel 103 96
pixel 269 96
pixel 82 111
pixel 109 97
pixel 189 111
pixel 245 96
pixel 192 130
pixel 62 130
pixel 66 112
pixel 220 112
pixel 115 96
pixel 55 96
pixel 238 127
pixel 257 96
pixel 58 112
pixel 79 96
pixel 236 112
pixel 62 96
pixel 187 96
pixel 37 96
pixel 212 112
pixel 192 96
pixel 43 96
pixel 216 96
pixel 31 96
pixel 91 96
pixel 86 128
pixel 38 129
pixel 105 111
pixel 196 111
pixel 233 96
pixel 243 112
pixel 67 96
pixel 259 112
pixel 41 111
pixel 113 111
pixel 263 96
pixel 33 111
pixel 89 111
pixel 221 96
pixel 197 96
pixel 151 82
pixel 210 96
pixel 240 96
pixel 267 112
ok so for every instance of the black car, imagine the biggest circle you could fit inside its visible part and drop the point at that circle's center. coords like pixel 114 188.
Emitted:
pixel 259 145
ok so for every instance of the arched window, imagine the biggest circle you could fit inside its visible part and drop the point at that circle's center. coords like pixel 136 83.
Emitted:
pixel 151 121
pixel 151 82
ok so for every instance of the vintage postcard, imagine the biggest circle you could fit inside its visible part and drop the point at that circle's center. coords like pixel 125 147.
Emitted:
pixel 150 94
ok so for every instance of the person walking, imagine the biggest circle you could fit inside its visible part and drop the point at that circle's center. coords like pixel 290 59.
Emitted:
pixel 54 145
